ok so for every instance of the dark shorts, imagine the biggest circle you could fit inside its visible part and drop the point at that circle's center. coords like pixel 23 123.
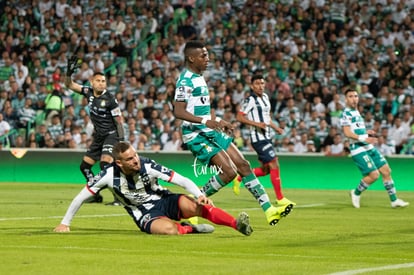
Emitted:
pixel 102 145
pixel 166 207
pixel 265 151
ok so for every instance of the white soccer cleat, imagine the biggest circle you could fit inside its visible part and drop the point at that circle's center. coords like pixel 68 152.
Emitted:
pixel 200 228
pixel 355 199
pixel 399 203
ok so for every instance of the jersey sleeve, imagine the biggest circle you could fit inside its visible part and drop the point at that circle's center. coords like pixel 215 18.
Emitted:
pixel 184 88
pixel 157 170
pixel 247 106
pixel 182 93
pixel 75 205
pixel 114 107
pixel 86 91
pixel 101 181
pixel 345 119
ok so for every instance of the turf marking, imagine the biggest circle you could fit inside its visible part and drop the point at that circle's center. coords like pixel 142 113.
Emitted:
pixel 119 215
pixel 59 217
pixel 380 268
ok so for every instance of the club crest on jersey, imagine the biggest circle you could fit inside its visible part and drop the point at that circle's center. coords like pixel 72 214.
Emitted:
pixel 103 103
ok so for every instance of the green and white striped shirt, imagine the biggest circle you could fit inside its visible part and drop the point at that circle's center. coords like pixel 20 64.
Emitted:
pixel 353 119
pixel 192 89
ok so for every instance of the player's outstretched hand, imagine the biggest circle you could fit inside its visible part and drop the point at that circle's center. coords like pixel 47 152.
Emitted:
pixel 62 228
pixel 227 127
pixel 73 65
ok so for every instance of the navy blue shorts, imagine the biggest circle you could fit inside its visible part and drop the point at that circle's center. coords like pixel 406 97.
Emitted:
pixel 165 207
pixel 265 151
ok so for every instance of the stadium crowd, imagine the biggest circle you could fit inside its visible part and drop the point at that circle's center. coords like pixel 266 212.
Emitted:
pixel 309 51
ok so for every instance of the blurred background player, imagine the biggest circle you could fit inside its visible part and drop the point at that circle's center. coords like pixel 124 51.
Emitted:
pixel 369 160
pixel 106 118
pixel 204 135
pixel 255 112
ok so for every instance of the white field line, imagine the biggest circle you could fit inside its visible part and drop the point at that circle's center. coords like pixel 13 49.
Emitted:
pixel 119 215
pixel 371 269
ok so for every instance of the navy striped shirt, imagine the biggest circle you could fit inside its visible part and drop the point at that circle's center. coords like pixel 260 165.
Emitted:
pixel 257 109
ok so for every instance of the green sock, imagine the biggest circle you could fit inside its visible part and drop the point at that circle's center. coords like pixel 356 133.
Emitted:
pixel 361 188
pixel 256 188
pixel 390 187
pixel 212 186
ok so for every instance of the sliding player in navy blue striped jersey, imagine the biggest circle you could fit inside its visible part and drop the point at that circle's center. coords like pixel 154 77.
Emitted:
pixel 155 210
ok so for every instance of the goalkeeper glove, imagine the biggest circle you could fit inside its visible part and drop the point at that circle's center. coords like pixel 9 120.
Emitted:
pixel 73 64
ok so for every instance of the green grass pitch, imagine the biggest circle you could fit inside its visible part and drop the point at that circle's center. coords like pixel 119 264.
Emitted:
pixel 323 234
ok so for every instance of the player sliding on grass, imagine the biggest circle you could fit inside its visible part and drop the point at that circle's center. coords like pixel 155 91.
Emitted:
pixel 369 160
pixel 134 182
pixel 206 136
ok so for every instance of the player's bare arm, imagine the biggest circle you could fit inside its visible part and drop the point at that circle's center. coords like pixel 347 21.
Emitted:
pixel 241 117
pixel 363 138
pixel 75 205
pixel 181 113
pixel 276 128
pixel 119 127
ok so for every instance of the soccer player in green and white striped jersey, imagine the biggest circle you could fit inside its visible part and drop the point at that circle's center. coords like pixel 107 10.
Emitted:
pixel 206 136
pixel 369 160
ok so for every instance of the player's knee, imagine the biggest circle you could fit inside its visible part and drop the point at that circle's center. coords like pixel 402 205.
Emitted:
pixel 374 175
pixel 228 175
pixel 244 167
pixel 170 229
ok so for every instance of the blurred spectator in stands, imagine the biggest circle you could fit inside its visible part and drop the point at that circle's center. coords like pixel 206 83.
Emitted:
pixel 4 129
pixel 85 122
pixel 312 135
pixel 187 30
pixel 406 104
pixel 26 115
pixel 96 64
pixel 6 70
pixel 310 146
pixel 174 144
pixel 390 106
pixel 54 105
pixel 19 142
pixel 75 9
pixel 84 73
pixel 21 71
pixel 301 145
pixel 55 128
pixel 3 98
pixel 336 148
pixel 19 100
pixel 384 148
pixel 326 134
pixel 399 134
pixel 118 25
